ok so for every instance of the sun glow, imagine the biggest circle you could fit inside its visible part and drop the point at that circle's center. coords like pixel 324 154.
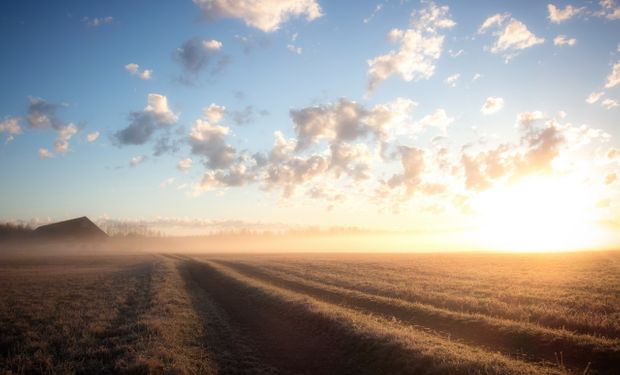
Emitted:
pixel 539 214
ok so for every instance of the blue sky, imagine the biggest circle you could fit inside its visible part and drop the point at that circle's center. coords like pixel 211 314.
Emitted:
pixel 298 67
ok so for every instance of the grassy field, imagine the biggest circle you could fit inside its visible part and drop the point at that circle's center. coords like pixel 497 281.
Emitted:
pixel 312 314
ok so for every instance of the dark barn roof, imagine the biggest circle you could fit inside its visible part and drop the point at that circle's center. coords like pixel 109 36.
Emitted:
pixel 81 228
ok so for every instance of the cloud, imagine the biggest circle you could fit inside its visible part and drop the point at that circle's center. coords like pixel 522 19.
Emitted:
pixel 476 77
pixel 609 103
pixel 609 10
pixel 451 80
pixel 246 115
pixel 529 118
pixel 594 97
pixel 197 54
pixel 512 35
pixel 562 40
pixel 413 163
pixel 208 138
pixel 91 137
pixel 143 124
pixel 41 114
pixel 377 9
pixel 265 15
pixel 134 69
pixel 45 154
pixel 11 126
pixel 294 49
pixel 611 178
pixel 97 21
pixel 137 160
pixel 419 47
pixel 438 119
pixel 184 165
pixel 492 105
pixel 61 145
pixel 614 77
pixel 557 15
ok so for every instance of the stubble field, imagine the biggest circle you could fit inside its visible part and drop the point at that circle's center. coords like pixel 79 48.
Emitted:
pixel 312 314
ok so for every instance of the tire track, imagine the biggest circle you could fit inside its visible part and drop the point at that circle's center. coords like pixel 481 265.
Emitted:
pixel 297 334
pixel 511 338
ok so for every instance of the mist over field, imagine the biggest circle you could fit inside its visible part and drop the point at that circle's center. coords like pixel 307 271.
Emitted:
pixel 309 187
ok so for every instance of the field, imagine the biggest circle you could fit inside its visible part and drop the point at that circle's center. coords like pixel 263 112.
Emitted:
pixel 312 314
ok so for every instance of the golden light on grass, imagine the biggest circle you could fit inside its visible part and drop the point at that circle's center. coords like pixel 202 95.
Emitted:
pixel 540 214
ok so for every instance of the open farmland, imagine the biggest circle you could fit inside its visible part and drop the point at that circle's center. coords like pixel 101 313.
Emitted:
pixel 314 314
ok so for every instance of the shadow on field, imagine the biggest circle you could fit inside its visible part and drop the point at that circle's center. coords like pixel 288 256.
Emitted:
pixel 526 344
pixel 286 337
pixel 119 342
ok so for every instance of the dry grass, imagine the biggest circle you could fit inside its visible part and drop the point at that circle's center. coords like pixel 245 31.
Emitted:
pixel 314 314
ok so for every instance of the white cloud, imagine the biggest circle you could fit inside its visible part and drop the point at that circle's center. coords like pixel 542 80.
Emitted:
pixel 476 77
pixel 134 69
pixel 184 165
pixel 207 138
pixel 265 15
pixel 97 21
pixel 167 182
pixel 45 154
pixel 609 10
pixel 212 44
pixel 10 125
pixel 451 80
pixel 420 46
pixel 61 145
pixel 609 103
pixel 143 124
pixel 438 119
pixel 492 105
pixel 529 118
pixel 557 15
pixel 511 38
pixel 594 97
pixel 563 40
pixel 91 137
pixel 294 49
pixel 377 9
pixel 136 160
pixel 614 77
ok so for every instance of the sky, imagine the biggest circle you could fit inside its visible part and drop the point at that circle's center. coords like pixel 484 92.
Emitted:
pixel 496 120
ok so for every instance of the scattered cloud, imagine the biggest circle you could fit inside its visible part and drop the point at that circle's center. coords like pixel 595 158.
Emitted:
pixel 137 160
pixel 476 77
pixel 492 105
pixel 377 9
pixel 563 40
pixel 11 126
pixel 91 137
pixel 557 15
pixel 97 21
pixel 167 182
pixel 246 115
pixel 134 69
pixel 438 119
pixel 45 154
pixel 455 53
pixel 207 138
pixel 267 15
pixel 609 103
pixel 61 145
pixel 41 114
pixel 609 10
pixel 613 78
pixel 512 35
pixel 451 80
pixel 419 47
pixel 594 97
pixel 294 49
pixel 142 124
pixel 184 165
pixel 196 54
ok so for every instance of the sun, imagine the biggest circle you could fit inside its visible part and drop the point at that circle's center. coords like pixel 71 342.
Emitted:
pixel 539 214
